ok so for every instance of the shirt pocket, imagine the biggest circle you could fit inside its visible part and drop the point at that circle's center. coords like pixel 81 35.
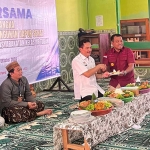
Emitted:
pixel 123 58
pixel 123 61
pixel 112 59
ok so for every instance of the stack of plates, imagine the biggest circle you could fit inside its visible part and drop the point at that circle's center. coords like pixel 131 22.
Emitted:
pixel 80 116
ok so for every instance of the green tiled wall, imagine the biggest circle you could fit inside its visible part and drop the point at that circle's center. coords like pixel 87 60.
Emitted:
pixel 68 46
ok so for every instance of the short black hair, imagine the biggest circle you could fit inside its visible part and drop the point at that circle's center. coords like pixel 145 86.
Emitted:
pixel 117 35
pixel 11 71
pixel 81 43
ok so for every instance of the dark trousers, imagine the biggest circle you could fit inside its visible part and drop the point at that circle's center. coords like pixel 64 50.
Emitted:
pixel 89 97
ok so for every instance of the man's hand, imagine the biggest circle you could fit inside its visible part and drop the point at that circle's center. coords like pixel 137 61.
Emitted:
pixel 105 74
pixel 122 73
pixel 19 99
pixel 102 67
pixel 32 105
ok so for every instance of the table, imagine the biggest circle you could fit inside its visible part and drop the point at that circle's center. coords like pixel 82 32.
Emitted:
pixel 102 127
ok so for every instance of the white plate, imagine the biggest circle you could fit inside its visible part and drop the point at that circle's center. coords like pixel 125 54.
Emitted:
pixel 107 98
pixel 82 120
pixel 79 112
pixel 114 73
pixel 129 88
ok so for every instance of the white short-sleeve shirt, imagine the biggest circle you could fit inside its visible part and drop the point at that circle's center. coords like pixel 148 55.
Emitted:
pixel 84 86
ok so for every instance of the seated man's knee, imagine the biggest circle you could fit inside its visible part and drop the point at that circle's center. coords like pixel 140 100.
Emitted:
pixel 2 122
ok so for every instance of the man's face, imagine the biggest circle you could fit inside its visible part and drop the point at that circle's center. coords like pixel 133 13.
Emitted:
pixel 17 74
pixel 117 43
pixel 86 50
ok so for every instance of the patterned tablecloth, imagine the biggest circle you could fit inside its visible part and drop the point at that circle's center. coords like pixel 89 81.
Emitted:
pixel 102 127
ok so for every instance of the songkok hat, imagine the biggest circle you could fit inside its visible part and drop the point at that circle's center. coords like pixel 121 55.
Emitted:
pixel 12 65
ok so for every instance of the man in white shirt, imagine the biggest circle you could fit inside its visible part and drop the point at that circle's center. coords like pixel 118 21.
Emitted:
pixel 85 73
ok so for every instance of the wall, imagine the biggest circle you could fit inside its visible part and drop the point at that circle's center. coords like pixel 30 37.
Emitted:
pixel 71 14
pixel 134 9
pixel 107 8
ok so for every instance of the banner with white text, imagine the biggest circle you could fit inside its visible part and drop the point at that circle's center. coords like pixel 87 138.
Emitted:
pixel 28 34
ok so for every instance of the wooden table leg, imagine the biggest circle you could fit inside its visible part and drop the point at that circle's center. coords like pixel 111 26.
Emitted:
pixel 86 145
pixel 65 138
pixel 67 145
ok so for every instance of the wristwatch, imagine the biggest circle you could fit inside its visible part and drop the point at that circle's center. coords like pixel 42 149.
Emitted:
pixel 124 73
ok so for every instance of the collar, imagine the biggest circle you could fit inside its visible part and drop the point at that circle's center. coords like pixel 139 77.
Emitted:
pixel 83 57
pixel 15 82
pixel 114 51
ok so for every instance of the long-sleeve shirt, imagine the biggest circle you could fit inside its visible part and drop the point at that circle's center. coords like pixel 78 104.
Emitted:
pixel 10 90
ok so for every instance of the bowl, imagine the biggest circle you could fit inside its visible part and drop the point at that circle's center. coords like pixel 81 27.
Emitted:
pixel 128 99
pixel 142 91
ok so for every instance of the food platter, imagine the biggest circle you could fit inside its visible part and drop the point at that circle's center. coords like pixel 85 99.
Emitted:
pixel 116 102
pixel 100 112
pixel 114 73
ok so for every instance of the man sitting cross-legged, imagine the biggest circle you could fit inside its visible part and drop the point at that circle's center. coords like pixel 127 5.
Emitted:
pixel 16 101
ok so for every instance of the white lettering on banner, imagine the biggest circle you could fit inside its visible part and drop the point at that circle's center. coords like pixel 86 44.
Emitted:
pixel 23 43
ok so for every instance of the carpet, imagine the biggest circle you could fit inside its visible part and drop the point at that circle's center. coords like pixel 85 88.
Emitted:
pixel 38 134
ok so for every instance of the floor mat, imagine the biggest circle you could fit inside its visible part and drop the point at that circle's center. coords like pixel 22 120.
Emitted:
pixel 38 134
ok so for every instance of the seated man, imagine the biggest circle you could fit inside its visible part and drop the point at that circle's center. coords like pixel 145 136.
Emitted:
pixel 16 101
pixel 85 73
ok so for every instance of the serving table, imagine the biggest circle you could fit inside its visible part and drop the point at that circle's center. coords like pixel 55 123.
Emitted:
pixel 102 127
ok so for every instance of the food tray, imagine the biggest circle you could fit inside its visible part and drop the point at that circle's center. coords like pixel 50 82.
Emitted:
pixel 116 102
pixel 134 89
